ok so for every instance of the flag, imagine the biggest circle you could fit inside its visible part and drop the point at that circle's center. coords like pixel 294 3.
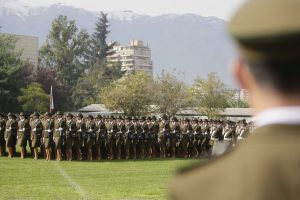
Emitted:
pixel 51 100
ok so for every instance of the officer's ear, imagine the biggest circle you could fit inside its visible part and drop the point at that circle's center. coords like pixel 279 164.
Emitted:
pixel 242 74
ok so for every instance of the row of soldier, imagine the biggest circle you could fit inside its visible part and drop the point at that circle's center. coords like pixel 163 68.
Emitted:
pixel 94 138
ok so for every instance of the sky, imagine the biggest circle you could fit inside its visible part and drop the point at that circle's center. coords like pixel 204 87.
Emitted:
pixel 223 9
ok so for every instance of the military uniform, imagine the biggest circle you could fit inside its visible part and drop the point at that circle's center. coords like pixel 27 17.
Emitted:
pixel 186 131
pixel 23 133
pixel 69 139
pixel 163 137
pixel 91 136
pixel 59 134
pixel 120 137
pixel 2 130
pixel 130 140
pixel 79 136
pixel 112 128
pixel 11 134
pixel 142 133
pixel 198 137
pixel 48 128
pixel 229 135
pixel 101 137
pixel 151 138
pixel 36 134
pixel 174 136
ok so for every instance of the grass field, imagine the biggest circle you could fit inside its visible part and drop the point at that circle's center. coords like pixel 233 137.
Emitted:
pixel 30 179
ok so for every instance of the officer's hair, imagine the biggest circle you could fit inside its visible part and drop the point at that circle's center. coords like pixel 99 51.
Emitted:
pixel 283 76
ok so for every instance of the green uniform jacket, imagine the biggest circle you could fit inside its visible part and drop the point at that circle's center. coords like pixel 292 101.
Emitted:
pixel 23 132
pixel 11 133
pixel 48 128
pixel 2 130
pixel 36 133
pixel 264 166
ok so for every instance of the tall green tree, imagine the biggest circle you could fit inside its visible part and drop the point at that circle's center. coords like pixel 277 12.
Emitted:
pixel 11 68
pixel 33 98
pixel 100 48
pixel 92 81
pixel 211 95
pixel 132 94
pixel 67 51
pixel 171 93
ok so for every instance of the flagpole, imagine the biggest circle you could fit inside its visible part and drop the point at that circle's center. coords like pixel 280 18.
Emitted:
pixel 51 100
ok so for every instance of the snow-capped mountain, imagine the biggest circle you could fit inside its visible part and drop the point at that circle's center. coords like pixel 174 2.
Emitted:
pixel 190 43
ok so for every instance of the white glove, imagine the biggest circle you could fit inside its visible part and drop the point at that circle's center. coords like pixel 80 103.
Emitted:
pixel 9 128
pixel 60 129
pixel 90 130
pixel 34 129
pixel 23 129
pixel 80 130
pixel 0 128
pixel 174 131
pixel 49 131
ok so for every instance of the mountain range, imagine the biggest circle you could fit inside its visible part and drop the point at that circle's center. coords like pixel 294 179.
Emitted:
pixel 190 43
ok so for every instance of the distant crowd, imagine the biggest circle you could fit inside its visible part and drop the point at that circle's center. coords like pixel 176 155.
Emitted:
pixel 67 137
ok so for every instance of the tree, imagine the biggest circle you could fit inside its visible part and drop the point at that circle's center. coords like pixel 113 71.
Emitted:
pixel 33 98
pixel 211 96
pixel 100 49
pixel 11 77
pixel 171 93
pixel 92 81
pixel 238 104
pixel 67 51
pixel 133 94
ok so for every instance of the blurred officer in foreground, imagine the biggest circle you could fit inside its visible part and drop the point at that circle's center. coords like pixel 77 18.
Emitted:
pixel 266 165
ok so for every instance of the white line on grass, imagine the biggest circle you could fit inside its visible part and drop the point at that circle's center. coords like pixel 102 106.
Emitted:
pixel 71 181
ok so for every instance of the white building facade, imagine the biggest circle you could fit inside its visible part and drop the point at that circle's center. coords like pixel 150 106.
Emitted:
pixel 135 57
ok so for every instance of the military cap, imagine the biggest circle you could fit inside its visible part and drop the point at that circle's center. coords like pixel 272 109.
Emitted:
pixel 47 114
pixel 267 30
pixel 186 119
pixel 11 115
pixel 36 114
pixel 120 117
pixel 112 117
pixel 164 117
pixel 98 116
pixel 90 116
pixel 2 115
pixel 134 118
pixel 79 115
pixel 174 119
pixel 195 119
pixel 153 118
pixel 143 118
pixel 59 113
pixel 69 115
pixel 22 114
pixel 127 117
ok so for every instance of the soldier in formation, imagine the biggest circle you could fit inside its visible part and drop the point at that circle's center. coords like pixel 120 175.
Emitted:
pixel 69 137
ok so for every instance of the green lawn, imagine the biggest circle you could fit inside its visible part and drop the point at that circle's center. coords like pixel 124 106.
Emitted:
pixel 30 179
